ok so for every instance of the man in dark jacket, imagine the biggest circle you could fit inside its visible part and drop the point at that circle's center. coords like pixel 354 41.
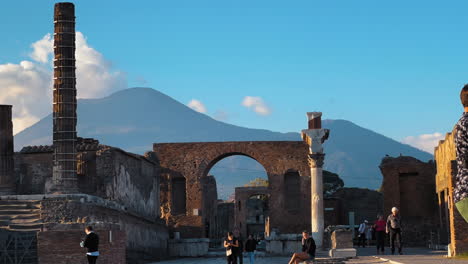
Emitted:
pixel 308 249
pixel 250 247
pixel 239 250
pixel 91 242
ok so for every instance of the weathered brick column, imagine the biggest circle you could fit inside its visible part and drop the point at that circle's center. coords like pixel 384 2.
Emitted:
pixel 64 108
pixel 314 137
pixel 7 177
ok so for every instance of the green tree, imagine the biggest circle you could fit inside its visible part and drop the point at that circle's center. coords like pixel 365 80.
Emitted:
pixel 258 182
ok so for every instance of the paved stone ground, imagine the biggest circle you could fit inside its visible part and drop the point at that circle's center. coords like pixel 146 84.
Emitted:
pixel 410 256
pixel 269 260
pixel 365 256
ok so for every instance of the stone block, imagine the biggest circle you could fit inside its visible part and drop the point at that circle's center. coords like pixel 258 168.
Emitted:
pixel 342 239
pixel 343 253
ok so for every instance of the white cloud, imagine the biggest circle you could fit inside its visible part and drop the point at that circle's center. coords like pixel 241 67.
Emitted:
pixel 28 85
pixel 42 49
pixel 426 142
pixel 257 105
pixel 197 106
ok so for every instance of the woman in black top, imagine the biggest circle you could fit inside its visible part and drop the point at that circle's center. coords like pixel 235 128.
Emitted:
pixel 230 243
pixel 308 249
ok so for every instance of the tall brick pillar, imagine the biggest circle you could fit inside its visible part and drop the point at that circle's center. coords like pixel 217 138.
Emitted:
pixel 7 176
pixel 64 108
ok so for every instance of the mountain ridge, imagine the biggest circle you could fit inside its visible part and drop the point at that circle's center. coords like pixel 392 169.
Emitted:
pixel 135 118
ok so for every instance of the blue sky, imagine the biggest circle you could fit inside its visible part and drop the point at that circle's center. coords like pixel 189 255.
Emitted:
pixel 395 67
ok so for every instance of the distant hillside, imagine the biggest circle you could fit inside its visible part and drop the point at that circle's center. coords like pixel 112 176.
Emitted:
pixel 135 118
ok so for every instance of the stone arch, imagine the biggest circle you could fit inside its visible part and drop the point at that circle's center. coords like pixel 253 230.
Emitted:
pixel 194 161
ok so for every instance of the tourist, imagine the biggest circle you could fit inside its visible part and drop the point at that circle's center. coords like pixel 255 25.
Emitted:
pixel 238 251
pixel 379 228
pixel 250 247
pixel 308 249
pixel 230 244
pixel 393 227
pixel 91 242
pixel 362 233
pixel 461 144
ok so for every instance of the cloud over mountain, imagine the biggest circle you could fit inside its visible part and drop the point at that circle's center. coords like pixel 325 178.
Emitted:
pixel 27 85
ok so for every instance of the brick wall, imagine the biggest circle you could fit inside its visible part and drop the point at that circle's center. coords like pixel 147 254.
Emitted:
pixel 63 247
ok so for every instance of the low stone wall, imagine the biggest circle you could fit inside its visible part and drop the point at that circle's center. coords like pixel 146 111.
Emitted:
pixel 63 247
pixel 191 247
pixel 283 245
pixel 146 240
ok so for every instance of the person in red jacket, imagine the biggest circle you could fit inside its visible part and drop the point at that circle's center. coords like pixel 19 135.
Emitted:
pixel 379 228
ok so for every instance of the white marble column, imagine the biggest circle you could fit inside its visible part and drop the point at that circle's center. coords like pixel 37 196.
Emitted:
pixel 314 137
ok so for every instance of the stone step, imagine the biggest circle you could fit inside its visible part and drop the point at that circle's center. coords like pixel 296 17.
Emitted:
pixel 33 226
pixel 4 212
pixel 32 202
pixel 20 216
pixel 19 206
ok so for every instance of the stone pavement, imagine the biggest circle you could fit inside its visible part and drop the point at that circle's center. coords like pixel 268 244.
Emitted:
pixel 269 260
pixel 365 256
pixel 410 256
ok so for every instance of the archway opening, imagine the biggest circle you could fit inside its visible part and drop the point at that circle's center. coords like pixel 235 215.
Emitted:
pixel 229 174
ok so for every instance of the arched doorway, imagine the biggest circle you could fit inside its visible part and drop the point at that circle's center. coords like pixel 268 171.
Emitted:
pixel 220 186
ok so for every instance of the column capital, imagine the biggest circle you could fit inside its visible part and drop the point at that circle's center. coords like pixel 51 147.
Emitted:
pixel 316 160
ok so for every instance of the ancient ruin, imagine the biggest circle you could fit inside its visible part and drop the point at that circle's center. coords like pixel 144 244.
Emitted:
pixel 409 185
pixel 451 220
pixel 7 177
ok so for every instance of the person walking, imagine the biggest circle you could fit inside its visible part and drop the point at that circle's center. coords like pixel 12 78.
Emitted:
pixel 238 251
pixel 230 244
pixel 91 242
pixel 362 233
pixel 250 247
pixel 393 228
pixel 460 189
pixel 379 228
pixel 308 249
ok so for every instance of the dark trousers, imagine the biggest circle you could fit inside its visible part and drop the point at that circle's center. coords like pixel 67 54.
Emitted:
pixel 92 259
pixel 380 237
pixel 362 240
pixel 232 259
pixel 241 257
pixel 395 236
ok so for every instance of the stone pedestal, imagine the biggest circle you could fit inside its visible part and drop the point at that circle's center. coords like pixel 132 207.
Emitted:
pixel 342 244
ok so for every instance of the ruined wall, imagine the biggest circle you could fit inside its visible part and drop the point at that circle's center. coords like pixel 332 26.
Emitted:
pixel 104 171
pixel 145 239
pixel 112 250
pixel 451 220
pixel 409 184
pixel 366 204
pixel 241 209
pixel 225 221
pixel 210 200
pixel 33 171
pixel 193 161
pixel 129 179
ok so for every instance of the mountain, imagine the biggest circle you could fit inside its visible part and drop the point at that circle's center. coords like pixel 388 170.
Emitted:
pixel 134 118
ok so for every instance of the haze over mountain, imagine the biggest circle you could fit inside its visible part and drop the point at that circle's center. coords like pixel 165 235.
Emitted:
pixel 134 118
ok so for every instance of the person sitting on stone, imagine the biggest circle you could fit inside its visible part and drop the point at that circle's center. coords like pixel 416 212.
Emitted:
pixel 461 144
pixel 308 249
